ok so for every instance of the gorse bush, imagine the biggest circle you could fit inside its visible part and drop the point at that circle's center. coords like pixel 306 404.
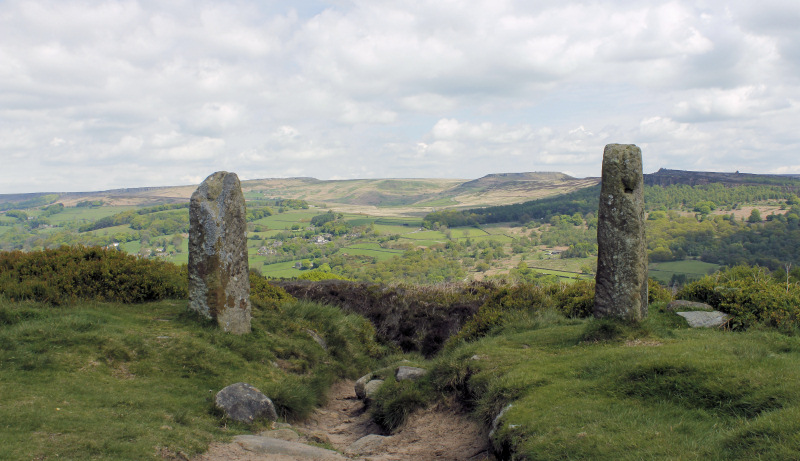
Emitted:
pixel 266 296
pixel 68 274
pixel 750 295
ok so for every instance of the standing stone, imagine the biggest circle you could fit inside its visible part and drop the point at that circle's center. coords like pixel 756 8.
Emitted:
pixel 621 289
pixel 219 283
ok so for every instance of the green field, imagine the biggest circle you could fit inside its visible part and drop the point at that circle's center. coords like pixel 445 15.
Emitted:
pixel 663 272
pixel 425 235
pixel 278 270
pixel 372 249
pixel 122 229
pixel 492 238
pixel 467 232
pixel 439 203
pixel 83 214
pixel 392 229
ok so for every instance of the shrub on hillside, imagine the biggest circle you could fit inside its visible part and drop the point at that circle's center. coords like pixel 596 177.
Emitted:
pixel 264 295
pixel 750 295
pixel 317 275
pixel 68 274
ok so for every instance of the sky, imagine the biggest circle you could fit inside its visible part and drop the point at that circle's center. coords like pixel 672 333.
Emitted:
pixel 98 95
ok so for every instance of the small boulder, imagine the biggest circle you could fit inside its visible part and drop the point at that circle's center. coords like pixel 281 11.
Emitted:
pixel 680 304
pixel 409 373
pixel 702 319
pixel 243 402
pixel 361 393
pixel 371 388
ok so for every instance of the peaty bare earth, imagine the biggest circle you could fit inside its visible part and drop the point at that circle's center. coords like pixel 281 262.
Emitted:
pixel 437 433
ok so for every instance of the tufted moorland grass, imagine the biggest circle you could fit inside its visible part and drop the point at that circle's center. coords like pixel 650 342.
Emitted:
pixel 589 389
pixel 136 381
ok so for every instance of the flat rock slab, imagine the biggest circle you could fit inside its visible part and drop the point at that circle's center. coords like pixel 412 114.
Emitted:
pixel 703 319
pixel 271 446
pixel 679 304
pixel 282 434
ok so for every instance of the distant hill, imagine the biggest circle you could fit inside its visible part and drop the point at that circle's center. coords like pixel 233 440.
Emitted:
pixel 512 180
pixel 666 177
pixel 414 195
pixel 408 195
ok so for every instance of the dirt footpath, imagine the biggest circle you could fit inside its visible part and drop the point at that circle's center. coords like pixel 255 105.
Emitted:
pixel 436 433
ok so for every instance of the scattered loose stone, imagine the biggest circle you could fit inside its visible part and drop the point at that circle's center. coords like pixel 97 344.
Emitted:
pixel 405 373
pixel 703 319
pixel 243 402
pixel 621 289
pixel 359 386
pixel 681 304
pixel 219 283
pixel 270 446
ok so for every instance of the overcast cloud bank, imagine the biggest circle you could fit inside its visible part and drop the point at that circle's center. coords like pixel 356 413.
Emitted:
pixel 107 94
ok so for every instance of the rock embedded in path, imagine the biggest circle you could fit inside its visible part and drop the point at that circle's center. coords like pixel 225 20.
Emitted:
pixel 371 388
pixel 367 445
pixel 360 385
pixel 621 288
pixel 299 451
pixel 219 283
pixel 243 402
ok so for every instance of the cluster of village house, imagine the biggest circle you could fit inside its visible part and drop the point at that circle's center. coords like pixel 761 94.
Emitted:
pixel 320 239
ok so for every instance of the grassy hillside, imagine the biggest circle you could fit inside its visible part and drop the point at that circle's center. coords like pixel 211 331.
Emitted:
pixel 582 388
pixel 92 379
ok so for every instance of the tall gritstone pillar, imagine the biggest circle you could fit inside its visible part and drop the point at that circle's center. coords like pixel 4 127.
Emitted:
pixel 621 289
pixel 219 283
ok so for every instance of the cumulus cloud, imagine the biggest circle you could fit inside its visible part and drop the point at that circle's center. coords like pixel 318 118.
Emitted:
pixel 122 93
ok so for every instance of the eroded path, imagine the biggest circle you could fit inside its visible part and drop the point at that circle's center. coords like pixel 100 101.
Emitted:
pixel 436 433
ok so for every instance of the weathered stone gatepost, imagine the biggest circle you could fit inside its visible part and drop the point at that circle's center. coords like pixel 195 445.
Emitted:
pixel 219 283
pixel 621 289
